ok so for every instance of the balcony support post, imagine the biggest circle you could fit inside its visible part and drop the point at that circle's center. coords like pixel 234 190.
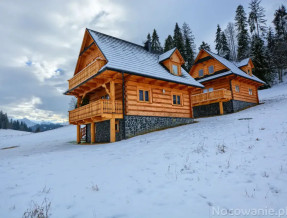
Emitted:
pixel 78 134
pixel 190 105
pixel 79 101
pixel 112 130
pixel 93 133
pixel 112 95
pixel 221 107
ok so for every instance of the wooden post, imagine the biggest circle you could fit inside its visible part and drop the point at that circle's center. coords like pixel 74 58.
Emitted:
pixel 190 105
pixel 79 101
pixel 112 95
pixel 78 134
pixel 112 130
pixel 93 138
pixel 221 107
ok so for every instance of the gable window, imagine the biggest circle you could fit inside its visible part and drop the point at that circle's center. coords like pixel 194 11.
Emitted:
pixel 211 69
pixel 144 95
pixel 250 91
pixel 200 73
pixel 210 89
pixel 205 90
pixel 175 69
pixel 176 99
pixel 237 88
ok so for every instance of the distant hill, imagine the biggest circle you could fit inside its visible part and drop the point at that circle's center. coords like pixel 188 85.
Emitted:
pixel 45 126
pixel 28 122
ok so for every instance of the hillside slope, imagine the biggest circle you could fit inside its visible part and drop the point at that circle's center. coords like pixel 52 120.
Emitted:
pixel 231 161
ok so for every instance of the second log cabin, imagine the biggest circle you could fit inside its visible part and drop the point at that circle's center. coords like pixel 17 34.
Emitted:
pixel 229 86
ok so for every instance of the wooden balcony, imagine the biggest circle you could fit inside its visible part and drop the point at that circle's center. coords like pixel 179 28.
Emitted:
pixel 96 111
pixel 219 95
pixel 86 73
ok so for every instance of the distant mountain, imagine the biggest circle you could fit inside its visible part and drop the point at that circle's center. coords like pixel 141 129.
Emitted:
pixel 41 126
pixel 28 122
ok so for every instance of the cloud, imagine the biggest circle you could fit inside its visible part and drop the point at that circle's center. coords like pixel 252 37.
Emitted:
pixel 40 40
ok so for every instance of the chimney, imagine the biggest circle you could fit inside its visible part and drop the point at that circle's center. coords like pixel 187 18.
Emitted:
pixel 147 45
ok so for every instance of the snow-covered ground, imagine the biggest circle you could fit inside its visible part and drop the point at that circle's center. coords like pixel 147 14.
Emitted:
pixel 220 163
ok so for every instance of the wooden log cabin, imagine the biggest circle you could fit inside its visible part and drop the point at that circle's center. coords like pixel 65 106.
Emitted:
pixel 124 89
pixel 229 86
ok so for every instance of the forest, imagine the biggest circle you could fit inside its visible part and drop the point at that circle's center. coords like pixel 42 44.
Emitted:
pixel 248 35
pixel 6 123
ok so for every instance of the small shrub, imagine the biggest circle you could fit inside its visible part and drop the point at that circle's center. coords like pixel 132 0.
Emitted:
pixel 221 148
pixel 38 211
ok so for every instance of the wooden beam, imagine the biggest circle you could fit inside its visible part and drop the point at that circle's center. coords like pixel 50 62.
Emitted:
pixel 221 107
pixel 79 101
pixel 107 90
pixel 78 134
pixel 112 130
pixel 93 132
pixel 112 95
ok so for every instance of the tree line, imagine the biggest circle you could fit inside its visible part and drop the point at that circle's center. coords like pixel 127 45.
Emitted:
pixel 247 36
pixel 5 123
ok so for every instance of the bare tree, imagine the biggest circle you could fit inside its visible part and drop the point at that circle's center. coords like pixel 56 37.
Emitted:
pixel 230 33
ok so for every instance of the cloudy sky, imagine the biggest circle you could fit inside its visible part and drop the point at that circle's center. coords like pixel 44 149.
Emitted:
pixel 40 41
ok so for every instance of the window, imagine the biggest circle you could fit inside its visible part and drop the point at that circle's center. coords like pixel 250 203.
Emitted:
pixel 210 69
pixel 200 73
pixel 175 69
pixel 207 90
pixel 144 95
pixel 117 126
pixel 250 91
pixel 237 88
pixel 176 99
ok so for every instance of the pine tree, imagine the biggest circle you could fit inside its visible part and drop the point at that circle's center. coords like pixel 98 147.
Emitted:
pixel 155 43
pixel 218 43
pixel 225 52
pixel 204 46
pixel 189 46
pixel 148 38
pixel 280 22
pixel 168 43
pixel 259 59
pixel 270 49
pixel 178 39
pixel 243 40
pixel 256 20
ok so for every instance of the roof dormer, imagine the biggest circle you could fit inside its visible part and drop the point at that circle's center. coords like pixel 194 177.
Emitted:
pixel 172 60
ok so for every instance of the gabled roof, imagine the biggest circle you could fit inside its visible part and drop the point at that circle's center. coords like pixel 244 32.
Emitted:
pixel 232 67
pixel 242 63
pixel 135 59
pixel 166 55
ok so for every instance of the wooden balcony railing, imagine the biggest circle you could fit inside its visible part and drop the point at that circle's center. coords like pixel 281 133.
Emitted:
pixel 95 109
pixel 86 73
pixel 210 97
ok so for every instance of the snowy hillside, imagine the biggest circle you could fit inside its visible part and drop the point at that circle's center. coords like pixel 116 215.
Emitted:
pixel 236 161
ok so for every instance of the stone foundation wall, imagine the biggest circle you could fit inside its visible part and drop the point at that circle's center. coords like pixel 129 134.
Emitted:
pixel 136 125
pixel 103 131
pixel 239 105
pixel 213 109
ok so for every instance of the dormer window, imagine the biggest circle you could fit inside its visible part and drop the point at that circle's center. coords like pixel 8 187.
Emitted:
pixel 174 69
pixel 210 69
pixel 200 73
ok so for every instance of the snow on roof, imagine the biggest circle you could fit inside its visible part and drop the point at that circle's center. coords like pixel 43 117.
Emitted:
pixel 242 63
pixel 166 55
pixel 233 68
pixel 135 59
pixel 214 76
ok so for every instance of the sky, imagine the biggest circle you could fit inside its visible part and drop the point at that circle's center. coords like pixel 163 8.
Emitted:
pixel 40 41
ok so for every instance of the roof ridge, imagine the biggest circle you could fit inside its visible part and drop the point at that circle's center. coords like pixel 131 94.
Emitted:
pixel 117 38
